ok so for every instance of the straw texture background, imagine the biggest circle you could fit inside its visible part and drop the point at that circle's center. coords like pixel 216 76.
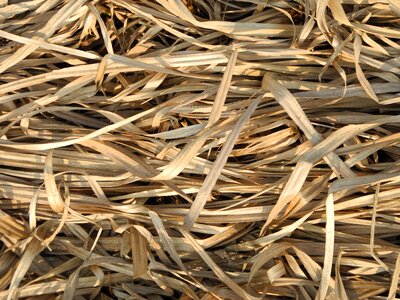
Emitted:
pixel 204 149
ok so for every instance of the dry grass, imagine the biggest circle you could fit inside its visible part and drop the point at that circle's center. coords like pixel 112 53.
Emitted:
pixel 204 149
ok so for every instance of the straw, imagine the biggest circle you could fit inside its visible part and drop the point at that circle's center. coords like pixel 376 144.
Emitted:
pixel 199 149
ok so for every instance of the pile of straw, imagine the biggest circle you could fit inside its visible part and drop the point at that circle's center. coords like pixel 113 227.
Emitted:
pixel 204 149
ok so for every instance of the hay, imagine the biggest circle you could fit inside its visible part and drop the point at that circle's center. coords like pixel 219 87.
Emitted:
pixel 203 149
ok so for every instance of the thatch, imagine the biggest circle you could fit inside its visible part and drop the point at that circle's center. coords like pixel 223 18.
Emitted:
pixel 204 149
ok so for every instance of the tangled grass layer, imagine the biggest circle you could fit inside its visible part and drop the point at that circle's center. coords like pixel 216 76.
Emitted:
pixel 204 149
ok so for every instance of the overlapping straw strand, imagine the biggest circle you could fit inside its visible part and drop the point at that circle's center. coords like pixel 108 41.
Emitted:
pixel 203 149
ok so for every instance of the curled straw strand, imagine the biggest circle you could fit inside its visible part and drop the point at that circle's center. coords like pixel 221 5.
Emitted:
pixel 199 149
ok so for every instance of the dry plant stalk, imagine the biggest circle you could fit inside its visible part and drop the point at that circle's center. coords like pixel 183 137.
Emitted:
pixel 203 149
